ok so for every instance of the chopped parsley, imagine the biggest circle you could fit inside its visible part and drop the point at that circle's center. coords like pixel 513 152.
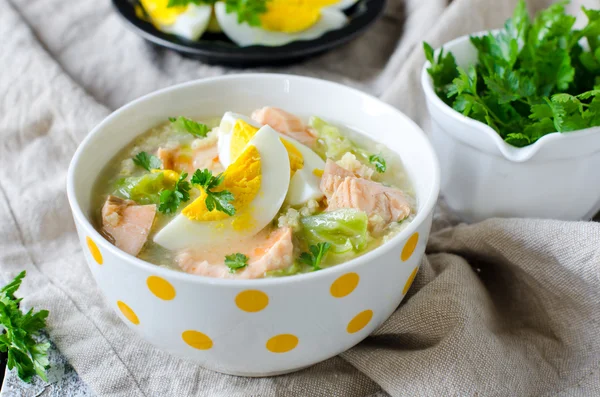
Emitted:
pixel 248 11
pixel 236 261
pixel 198 130
pixel 532 78
pixel 221 200
pixel 315 255
pixel 183 3
pixel 147 161
pixel 379 162
pixel 19 333
pixel 170 200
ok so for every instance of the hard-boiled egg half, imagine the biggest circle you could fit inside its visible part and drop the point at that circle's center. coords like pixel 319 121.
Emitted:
pixel 236 131
pixel 226 131
pixel 304 185
pixel 284 21
pixel 188 21
pixel 258 178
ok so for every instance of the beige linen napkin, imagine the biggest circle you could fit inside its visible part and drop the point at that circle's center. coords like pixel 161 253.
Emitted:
pixel 504 307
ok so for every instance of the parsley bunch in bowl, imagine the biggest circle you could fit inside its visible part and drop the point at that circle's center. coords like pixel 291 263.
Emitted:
pixel 532 78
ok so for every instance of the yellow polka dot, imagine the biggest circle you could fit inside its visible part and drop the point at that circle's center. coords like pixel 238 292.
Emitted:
pixel 282 343
pixel 128 313
pixel 94 250
pixel 344 285
pixel 359 321
pixel 410 280
pixel 252 300
pixel 197 340
pixel 161 288
pixel 409 247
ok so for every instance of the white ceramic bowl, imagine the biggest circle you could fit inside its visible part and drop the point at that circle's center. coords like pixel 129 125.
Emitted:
pixel 483 176
pixel 266 326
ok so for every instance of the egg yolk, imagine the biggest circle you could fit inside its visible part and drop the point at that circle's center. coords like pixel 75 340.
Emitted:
pixel 243 179
pixel 291 16
pixel 243 133
pixel 296 159
pixel 160 13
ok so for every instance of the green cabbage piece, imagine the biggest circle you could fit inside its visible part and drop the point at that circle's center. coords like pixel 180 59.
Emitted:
pixel 333 144
pixel 143 189
pixel 288 271
pixel 345 229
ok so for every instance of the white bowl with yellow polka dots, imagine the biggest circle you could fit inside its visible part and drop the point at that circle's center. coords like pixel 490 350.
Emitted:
pixel 266 326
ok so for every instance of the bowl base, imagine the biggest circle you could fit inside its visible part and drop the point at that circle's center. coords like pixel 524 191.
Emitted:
pixel 257 374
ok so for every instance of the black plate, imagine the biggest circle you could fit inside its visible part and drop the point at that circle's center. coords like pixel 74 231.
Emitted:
pixel 216 48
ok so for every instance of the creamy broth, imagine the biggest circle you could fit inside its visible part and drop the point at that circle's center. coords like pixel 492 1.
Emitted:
pixel 270 247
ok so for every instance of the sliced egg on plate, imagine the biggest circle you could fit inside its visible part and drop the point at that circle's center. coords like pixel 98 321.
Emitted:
pixel 285 21
pixel 258 179
pixel 304 163
pixel 343 4
pixel 189 22
pixel 213 24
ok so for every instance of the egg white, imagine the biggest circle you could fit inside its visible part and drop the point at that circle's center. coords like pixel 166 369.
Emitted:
pixel 343 4
pixel 245 35
pixel 191 24
pixel 304 185
pixel 225 133
pixel 183 233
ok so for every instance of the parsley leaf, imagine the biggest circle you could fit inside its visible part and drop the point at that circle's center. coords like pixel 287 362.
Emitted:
pixel 236 261
pixel 442 71
pixel 179 3
pixel 532 78
pixel 19 332
pixel 170 200
pixel 248 11
pixel 315 255
pixel 198 130
pixel 219 200
pixel 183 3
pixel 379 162
pixel 205 179
pixel 147 161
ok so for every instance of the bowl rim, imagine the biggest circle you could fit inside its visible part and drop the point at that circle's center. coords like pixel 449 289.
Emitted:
pixel 90 231
pixel 512 153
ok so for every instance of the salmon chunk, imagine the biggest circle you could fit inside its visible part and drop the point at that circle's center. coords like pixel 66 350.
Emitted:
pixel 286 123
pixel 167 157
pixel 332 176
pixel 265 252
pixel 127 224
pixel 204 156
pixel 382 204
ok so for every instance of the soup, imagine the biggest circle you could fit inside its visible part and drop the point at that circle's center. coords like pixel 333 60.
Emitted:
pixel 252 197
